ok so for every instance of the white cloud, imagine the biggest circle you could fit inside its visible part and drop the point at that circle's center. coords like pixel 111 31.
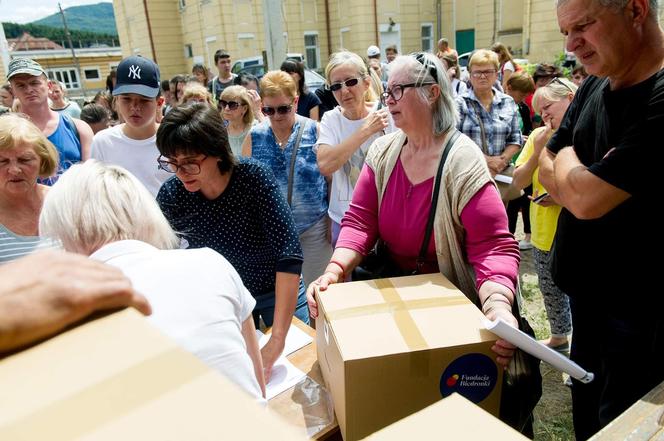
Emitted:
pixel 26 11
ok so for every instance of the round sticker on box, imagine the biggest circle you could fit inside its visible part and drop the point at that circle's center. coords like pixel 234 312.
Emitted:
pixel 472 375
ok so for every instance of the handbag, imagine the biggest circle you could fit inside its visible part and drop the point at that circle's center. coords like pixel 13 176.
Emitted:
pixel 378 264
pixel 522 382
pixel 507 191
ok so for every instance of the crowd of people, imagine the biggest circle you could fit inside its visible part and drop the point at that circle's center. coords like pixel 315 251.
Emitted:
pixel 220 204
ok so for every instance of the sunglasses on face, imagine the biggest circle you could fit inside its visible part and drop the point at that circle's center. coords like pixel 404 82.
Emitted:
pixel 351 82
pixel 232 105
pixel 559 81
pixel 281 110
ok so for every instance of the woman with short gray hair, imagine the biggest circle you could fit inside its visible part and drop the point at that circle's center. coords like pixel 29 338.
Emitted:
pixel 197 297
pixel 469 241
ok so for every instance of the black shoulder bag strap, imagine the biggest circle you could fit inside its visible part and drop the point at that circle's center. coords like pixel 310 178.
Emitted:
pixel 296 146
pixel 454 135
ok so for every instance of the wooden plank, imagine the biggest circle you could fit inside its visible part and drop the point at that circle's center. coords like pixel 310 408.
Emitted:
pixel 644 420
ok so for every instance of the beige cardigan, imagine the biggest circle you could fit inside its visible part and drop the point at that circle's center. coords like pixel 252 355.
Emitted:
pixel 464 174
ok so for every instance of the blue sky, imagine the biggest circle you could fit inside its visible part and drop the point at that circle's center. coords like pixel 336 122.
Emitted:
pixel 25 11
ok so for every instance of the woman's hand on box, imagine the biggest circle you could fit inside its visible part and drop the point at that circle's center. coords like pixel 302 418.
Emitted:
pixel 320 284
pixel 503 348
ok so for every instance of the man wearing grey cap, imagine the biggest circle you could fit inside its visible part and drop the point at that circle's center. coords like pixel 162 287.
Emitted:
pixel 132 144
pixel 71 137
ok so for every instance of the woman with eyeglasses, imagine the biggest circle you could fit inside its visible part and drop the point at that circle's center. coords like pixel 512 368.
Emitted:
pixel 469 242
pixel 285 144
pixel 488 116
pixel 235 108
pixel 347 131
pixel 234 206
pixel 550 101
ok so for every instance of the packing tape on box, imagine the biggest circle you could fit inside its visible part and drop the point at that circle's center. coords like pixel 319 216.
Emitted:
pixel 400 310
pixel 85 410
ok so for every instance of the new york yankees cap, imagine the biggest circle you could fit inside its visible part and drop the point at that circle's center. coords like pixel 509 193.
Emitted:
pixel 137 75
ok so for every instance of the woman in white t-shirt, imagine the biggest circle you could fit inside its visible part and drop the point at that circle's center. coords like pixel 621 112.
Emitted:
pixel 347 131
pixel 197 297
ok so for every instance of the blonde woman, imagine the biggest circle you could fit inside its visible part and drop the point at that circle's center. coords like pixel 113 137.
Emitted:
pixel 235 108
pixel 25 155
pixel 197 297
pixel 195 92
pixel 347 131
pixel 507 64
pixel 285 144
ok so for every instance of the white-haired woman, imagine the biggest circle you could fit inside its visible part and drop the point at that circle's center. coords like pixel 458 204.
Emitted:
pixel 347 131
pixel 197 297
pixel 470 243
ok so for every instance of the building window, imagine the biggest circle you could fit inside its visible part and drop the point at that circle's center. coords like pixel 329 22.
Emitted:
pixel 427 37
pixel 188 51
pixel 92 74
pixel 68 76
pixel 311 51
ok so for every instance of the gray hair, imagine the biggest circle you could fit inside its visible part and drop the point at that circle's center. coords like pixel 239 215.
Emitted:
pixel 619 5
pixel 424 67
pixel 94 204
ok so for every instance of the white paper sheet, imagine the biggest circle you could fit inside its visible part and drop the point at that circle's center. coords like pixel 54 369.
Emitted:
pixel 503 178
pixel 533 347
pixel 284 376
pixel 295 340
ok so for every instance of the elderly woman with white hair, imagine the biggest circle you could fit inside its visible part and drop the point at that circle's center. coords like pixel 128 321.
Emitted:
pixel 469 241
pixel 197 297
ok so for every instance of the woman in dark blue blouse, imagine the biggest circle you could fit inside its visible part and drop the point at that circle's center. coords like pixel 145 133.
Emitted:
pixel 236 208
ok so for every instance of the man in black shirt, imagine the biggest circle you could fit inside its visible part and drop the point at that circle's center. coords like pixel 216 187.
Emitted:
pixel 601 166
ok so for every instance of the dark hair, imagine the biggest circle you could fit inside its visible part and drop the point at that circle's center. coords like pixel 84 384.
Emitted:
pixel 175 80
pixel 165 85
pixel 580 70
pixel 292 66
pixel 244 78
pixel 221 53
pixel 94 113
pixel 545 70
pixel 109 80
pixel 393 48
pixel 195 129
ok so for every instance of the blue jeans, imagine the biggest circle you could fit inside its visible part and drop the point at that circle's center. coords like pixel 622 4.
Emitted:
pixel 265 307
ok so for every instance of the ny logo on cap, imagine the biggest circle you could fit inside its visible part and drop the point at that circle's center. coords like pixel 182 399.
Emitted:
pixel 134 72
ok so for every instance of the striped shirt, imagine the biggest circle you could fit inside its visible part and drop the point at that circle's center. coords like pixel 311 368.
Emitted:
pixel 13 246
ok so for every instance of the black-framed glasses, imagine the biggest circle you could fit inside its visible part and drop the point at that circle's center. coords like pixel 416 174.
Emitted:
pixel 190 168
pixel 396 92
pixel 424 61
pixel 281 110
pixel 351 82
pixel 561 82
pixel 482 73
pixel 232 105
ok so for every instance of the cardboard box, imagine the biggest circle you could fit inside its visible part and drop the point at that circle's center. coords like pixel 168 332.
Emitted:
pixel 388 348
pixel 119 378
pixel 451 418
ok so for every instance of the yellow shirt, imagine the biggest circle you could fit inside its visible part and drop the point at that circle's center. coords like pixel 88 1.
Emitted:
pixel 543 220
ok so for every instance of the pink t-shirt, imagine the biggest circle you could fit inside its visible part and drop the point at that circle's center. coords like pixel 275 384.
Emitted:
pixel 490 248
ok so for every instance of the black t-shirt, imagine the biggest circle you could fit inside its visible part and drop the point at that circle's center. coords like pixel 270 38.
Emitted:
pixel 608 259
pixel 307 101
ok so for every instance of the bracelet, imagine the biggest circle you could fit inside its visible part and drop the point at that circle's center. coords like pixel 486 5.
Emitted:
pixel 493 302
pixel 343 270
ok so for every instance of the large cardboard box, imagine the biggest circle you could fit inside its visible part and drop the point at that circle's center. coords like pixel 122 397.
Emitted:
pixel 388 348
pixel 453 418
pixel 119 378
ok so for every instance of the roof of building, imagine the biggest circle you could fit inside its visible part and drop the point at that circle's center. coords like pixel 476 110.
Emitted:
pixel 27 42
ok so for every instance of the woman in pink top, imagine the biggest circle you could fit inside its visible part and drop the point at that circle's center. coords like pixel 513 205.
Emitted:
pixel 471 244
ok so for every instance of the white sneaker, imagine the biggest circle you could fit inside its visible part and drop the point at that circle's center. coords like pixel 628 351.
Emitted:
pixel 525 245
